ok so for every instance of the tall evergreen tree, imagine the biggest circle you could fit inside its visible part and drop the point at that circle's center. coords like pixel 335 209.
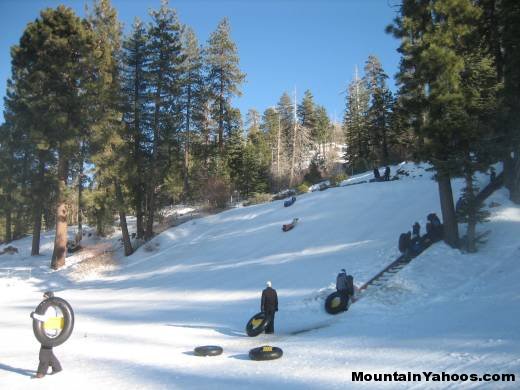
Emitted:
pixel 509 25
pixel 194 97
pixel 456 83
pixel 355 125
pixel 224 76
pixel 50 65
pixel 272 126
pixel 134 88
pixel 307 113
pixel 164 73
pixel 109 152
pixel 379 114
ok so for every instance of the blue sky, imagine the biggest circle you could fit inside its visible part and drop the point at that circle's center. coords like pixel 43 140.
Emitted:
pixel 282 44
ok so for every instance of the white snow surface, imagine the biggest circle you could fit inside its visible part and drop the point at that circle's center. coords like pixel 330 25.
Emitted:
pixel 138 321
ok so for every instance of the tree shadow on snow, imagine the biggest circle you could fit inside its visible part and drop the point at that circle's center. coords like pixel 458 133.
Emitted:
pixel 222 330
pixel 21 371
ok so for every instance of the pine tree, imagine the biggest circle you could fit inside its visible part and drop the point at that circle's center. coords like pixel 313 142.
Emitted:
pixel 164 72
pixel 453 77
pixel 134 88
pixel 379 114
pixel 272 126
pixel 509 26
pixel 194 98
pixel 108 145
pixel 355 125
pixel 323 137
pixel 257 154
pixel 307 113
pixel 50 65
pixel 7 183
pixel 224 76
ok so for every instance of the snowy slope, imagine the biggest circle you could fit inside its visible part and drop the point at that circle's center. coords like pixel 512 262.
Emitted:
pixel 199 283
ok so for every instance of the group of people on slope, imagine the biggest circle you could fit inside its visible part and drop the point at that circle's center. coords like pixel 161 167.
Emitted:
pixel 412 243
pixel 377 175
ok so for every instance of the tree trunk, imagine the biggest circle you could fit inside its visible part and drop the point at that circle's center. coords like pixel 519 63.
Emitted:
pixel 186 188
pixel 221 116
pixel 100 228
pixel 139 212
pixel 122 219
pixel 8 220
pixel 512 176
pixel 79 235
pixel 60 240
pixel 451 229
pixel 138 187
pixel 293 157
pixel 37 227
pixel 278 146
pixel 472 218
pixel 152 179
pixel 38 209
pixel 20 223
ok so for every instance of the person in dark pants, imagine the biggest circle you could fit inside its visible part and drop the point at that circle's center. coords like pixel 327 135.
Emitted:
pixel 46 355
pixel 269 306
pixel 345 285
pixel 377 176
pixel 387 173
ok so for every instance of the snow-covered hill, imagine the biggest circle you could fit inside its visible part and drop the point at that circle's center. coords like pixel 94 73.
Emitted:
pixel 198 284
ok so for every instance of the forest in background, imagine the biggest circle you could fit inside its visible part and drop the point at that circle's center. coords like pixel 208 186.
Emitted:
pixel 99 125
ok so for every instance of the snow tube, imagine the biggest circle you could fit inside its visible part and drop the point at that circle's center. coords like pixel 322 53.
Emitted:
pixel 289 202
pixel 265 353
pixel 287 227
pixel 208 350
pixel 335 303
pixel 256 324
pixel 55 330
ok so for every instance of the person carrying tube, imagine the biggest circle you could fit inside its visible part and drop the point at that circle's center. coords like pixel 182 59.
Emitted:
pixel 46 355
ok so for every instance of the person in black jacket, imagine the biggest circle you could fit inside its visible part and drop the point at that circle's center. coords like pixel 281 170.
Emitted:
pixel 433 228
pixel 269 306
pixel 377 176
pixel 345 285
pixel 387 173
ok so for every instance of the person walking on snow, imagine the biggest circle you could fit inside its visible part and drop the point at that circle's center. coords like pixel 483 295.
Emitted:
pixel 46 355
pixel 269 306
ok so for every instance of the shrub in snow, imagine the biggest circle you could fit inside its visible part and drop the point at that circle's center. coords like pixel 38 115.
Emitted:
pixel 258 198
pixel 302 188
